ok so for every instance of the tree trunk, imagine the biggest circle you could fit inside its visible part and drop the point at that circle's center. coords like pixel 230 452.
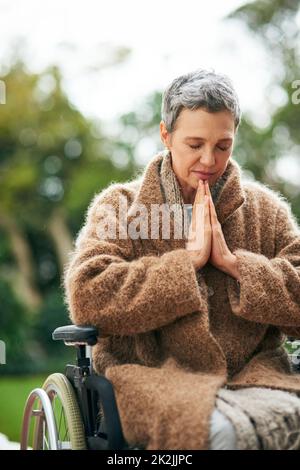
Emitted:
pixel 61 236
pixel 24 283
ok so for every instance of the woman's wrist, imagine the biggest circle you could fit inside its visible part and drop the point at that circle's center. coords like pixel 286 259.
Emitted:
pixel 196 260
pixel 231 267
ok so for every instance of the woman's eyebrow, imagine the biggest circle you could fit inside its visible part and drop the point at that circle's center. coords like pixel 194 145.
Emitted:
pixel 201 138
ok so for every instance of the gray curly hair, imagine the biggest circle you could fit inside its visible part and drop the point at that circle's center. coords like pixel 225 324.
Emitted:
pixel 199 89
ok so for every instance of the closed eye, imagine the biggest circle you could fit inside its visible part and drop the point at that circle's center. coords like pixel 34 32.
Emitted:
pixel 195 147
pixel 198 146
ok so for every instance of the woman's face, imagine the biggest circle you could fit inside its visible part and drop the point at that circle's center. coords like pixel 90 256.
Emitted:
pixel 201 142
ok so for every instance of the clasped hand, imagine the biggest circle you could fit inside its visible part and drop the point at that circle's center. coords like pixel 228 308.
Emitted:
pixel 206 241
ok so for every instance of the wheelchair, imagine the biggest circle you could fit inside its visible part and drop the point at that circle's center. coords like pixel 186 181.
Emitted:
pixel 78 410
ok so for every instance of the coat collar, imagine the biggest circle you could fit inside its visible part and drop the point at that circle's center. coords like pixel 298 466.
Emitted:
pixel 151 191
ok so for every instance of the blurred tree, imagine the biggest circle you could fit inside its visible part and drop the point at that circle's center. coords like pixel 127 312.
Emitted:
pixel 52 161
pixel 272 153
pixel 138 132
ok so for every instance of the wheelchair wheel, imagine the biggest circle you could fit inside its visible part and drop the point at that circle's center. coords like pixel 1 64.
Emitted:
pixel 58 422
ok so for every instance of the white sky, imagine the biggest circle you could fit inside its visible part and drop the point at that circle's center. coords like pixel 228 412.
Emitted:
pixel 167 39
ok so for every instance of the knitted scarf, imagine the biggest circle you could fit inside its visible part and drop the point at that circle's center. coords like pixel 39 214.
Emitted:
pixel 173 193
pixel 171 186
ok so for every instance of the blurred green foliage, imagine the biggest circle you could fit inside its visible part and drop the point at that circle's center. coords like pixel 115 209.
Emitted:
pixel 53 160
pixel 275 26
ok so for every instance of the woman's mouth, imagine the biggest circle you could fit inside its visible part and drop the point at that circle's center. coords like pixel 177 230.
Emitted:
pixel 203 176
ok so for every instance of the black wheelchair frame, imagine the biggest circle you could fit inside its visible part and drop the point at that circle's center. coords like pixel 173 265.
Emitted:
pixel 92 390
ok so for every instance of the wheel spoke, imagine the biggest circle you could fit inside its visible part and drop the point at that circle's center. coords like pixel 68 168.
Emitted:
pixel 60 417
pixel 45 440
pixel 66 428
pixel 62 427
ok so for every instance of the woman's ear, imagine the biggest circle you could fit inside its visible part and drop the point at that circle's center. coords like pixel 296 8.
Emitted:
pixel 164 135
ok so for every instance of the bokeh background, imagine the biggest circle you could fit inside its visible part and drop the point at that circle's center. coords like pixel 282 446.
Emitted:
pixel 80 93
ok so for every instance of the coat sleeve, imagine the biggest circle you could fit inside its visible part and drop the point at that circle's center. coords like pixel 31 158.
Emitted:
pixel 105 286
pixel 269 289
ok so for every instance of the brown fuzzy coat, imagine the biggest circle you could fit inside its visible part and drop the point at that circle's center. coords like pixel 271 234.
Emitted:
pixel 170 337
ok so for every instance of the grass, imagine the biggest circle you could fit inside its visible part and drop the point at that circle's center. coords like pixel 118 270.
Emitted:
pixel 13 395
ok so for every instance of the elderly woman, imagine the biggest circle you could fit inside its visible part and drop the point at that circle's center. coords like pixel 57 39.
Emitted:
pixel 193 307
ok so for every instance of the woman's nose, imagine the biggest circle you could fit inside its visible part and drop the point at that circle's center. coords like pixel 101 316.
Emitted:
pixel 207 158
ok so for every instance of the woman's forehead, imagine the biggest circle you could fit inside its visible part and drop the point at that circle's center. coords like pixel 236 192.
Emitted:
pixel 193 123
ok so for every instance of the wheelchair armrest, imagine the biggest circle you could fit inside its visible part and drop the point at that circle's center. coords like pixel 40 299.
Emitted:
pixel 76 334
